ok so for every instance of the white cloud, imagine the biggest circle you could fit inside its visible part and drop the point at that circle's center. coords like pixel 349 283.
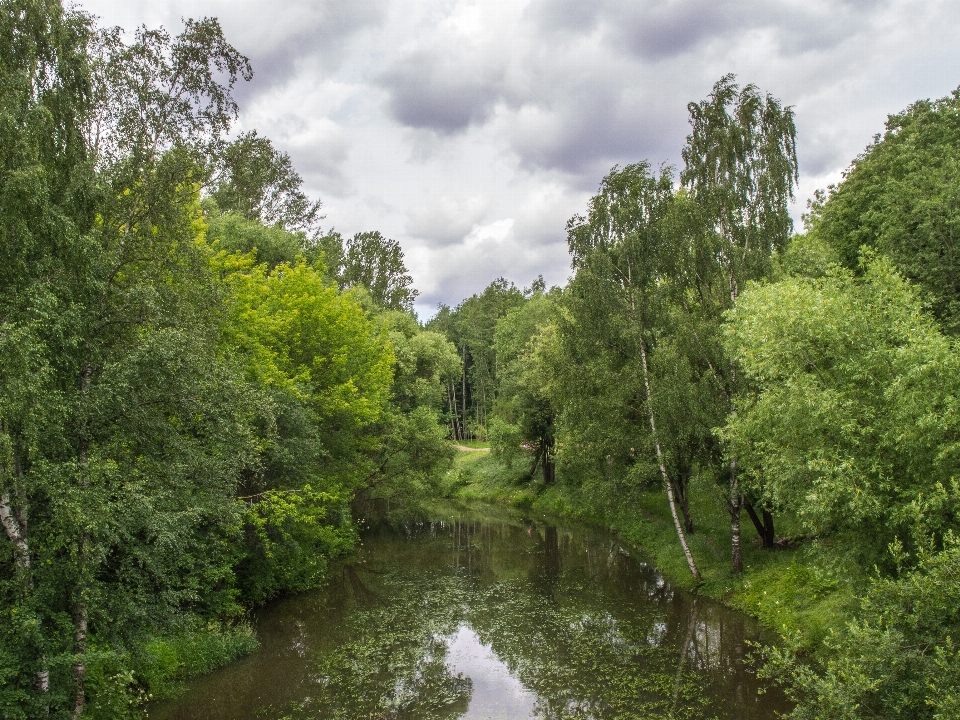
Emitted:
pixel 436 120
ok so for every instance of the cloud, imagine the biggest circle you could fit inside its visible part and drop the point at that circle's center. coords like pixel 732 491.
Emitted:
pixel 453 77
pixel 446 220
pixel 665 29
pixel 433 120
pixel 445 95
pixel 489 251
pixel 604 126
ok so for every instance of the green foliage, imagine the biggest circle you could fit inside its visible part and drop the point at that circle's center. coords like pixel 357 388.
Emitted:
pixel 270 245
pixel 302 338
pixel 614 303
pixel 853 417
pixel 291 535
pixel 740 166
pixel 901 197
pixel 413 451
pixel 806 256
pixel 324 369
pixel 258 183
pixel 151 371
pixel 164 662
pixel 371 261
pixel 897 658
pixel 523 421
pixel 471 327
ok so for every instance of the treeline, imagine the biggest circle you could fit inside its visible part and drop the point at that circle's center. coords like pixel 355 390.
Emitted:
pixel 814 378
pixel 195 381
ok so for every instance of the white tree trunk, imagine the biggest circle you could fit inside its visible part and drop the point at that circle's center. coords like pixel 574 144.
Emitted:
pixel 663 469
pixel 15 532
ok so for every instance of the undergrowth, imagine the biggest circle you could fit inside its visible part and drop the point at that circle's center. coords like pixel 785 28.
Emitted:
pixel 169 660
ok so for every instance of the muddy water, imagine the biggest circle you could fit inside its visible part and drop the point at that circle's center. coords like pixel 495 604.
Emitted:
pixel 477 613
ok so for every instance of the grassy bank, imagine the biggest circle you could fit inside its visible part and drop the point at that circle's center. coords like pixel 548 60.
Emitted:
pixel 794 590
pixel 166 662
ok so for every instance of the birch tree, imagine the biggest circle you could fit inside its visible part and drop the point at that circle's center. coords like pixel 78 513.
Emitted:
pixel 740 167
pixel 624 261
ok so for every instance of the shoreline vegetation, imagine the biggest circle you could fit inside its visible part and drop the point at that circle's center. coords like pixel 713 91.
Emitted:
pixel 200 386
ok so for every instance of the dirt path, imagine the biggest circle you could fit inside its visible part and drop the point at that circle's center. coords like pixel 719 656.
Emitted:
pixel 464 448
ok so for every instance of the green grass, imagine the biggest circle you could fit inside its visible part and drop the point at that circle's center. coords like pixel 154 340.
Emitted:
pixel 168 661
pixel 481 476
pixel 786 589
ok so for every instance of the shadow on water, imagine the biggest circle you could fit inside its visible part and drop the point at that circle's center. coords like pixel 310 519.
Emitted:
pixel 479 613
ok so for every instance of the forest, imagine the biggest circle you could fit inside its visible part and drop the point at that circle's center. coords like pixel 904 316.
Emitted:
pixel 201 388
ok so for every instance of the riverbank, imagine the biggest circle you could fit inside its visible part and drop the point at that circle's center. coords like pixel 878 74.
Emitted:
pixel 477 610
pixel 792 590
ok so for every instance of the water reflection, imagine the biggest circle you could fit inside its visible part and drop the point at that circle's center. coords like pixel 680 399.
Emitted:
pixel 496 692
pixel 473 616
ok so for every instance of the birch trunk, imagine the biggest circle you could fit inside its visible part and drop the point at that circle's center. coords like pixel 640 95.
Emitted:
pixel 79 666
pixel 15 525
pixel 736 555
pixel 17 535
pixel 463 397
pixel 663 468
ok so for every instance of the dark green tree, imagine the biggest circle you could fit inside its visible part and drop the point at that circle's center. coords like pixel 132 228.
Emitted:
pixel 471 327
pixel 258 182
pixel 624 258
pixel 139 409
pixel 523 415
pixel 374 262
pixel 45 188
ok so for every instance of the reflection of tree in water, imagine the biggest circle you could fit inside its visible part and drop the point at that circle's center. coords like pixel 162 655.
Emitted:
pixel 581 660
pixel 551 552
pixel 396 667
pixel 592 633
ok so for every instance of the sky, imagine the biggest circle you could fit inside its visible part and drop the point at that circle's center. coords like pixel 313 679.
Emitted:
pixel 471 130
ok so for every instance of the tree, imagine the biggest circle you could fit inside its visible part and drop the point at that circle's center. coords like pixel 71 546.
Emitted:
pixel 897 660
pixel 160 93
pixel 259 183
pixel 372 261
pixel 471 327
pixel 44 202
pixel 523 414
pixel 851 420
pixel 299 337
pixel 412 447
pixel 271 245
pixel 324 370
pixel 138 407
pixel 901 197
pixel 740 166
pixel 624 256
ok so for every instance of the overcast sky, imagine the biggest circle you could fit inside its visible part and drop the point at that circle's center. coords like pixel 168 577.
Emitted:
pixel 470 130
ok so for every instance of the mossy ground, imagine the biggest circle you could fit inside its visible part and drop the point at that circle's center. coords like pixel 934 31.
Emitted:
pixel 787 589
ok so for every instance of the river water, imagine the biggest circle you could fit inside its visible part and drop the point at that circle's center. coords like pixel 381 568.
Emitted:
pixel 478 613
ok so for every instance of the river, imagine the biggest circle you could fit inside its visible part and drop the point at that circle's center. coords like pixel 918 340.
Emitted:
pixel 480 613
